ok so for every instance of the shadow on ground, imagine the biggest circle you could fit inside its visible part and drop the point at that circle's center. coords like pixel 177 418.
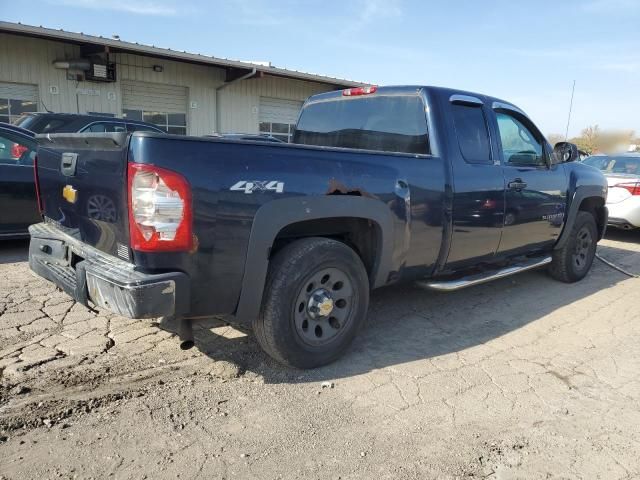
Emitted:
pixel 14 251
pixel 626 236
pixel 408 324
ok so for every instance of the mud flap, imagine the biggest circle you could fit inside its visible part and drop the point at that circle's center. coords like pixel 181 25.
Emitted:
pixel 81 294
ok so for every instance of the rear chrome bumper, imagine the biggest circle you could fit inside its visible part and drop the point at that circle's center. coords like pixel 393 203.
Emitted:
pixel 87 274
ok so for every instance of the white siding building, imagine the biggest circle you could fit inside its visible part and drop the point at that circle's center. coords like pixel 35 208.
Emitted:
pixel 43 69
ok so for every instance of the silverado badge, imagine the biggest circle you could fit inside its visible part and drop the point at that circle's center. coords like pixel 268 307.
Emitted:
pixel 70 194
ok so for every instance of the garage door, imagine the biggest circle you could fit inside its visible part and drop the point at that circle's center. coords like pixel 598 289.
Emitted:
pixel 162 105
pixel 278 117
pixel 16 99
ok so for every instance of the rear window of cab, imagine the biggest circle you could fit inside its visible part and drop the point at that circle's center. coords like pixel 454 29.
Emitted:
pixel 388 123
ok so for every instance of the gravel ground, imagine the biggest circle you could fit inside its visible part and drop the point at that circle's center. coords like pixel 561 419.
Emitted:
pixel 520 378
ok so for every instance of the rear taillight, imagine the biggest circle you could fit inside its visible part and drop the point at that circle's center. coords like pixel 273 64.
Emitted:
pixel 633 188
pixel 18 150
pixel 160 214
pixel 352 92
pixel 37 182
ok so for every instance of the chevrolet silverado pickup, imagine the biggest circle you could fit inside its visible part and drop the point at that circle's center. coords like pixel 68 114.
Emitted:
pixel 380 185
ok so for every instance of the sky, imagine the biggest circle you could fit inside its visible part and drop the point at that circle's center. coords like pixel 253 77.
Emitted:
pixel 528 53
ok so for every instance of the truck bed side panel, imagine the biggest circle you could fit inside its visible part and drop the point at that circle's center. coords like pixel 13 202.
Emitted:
pixel 225 207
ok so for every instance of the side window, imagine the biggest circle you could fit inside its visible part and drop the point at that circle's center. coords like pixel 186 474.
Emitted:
pixel 472 133
pixel 519 144
pixel 96 128
pixel 132 127
pixel 117 127
pixel 15 152
pixel 109 127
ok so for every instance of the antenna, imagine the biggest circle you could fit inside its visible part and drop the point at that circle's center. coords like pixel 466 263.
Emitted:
pixel 566 133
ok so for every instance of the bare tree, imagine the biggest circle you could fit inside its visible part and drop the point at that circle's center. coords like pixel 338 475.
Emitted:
pixel 589 139
pixel 554 138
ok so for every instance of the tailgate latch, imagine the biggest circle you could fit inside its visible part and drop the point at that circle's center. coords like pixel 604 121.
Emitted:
pixel 68 163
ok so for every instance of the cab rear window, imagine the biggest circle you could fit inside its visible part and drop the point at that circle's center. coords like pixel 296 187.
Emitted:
pixel 389 123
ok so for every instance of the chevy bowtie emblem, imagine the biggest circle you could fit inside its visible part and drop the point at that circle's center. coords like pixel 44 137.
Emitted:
pixel 70 194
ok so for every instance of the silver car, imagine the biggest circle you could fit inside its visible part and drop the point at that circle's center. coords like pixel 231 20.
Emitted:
pixel 623 177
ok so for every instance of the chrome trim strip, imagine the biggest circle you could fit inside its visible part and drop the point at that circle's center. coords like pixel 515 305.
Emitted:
pixel 452 285
pixel 465 99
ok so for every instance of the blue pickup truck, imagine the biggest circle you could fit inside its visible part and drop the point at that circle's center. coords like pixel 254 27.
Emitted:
pixel 441 187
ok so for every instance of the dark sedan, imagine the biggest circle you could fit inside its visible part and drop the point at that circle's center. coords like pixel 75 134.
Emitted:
pixel 18 205
pixel 73 122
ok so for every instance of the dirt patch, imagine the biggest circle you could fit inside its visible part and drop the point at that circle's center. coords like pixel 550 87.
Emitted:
pixel 521 378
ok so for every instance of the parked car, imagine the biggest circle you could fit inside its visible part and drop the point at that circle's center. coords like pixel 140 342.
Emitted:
pixel 18 207
pixel 381 185
pixel 16 173
pixel 623 176
pixel 44 122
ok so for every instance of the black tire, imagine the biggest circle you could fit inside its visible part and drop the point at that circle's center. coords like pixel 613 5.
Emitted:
pixel 572 262
pixel 295 277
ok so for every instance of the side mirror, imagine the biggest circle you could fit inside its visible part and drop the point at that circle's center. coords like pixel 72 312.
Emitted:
pixel 565 152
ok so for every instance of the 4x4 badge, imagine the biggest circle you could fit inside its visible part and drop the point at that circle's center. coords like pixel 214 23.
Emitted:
pixel 258 186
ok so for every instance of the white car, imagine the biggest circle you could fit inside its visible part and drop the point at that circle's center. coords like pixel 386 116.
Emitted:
pixel 623 176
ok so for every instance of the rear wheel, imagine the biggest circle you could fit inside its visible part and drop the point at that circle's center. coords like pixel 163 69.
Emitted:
pixel 315 302
pixel 572 262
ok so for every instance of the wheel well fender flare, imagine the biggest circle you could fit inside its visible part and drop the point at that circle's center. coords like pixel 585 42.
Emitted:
pixel 581 193
pixel 272 217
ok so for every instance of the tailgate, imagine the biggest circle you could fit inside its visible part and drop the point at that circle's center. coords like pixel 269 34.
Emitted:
pixel 82 181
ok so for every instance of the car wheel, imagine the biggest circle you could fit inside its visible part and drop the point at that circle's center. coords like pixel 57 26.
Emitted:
pixel 572 262
pixel 315 301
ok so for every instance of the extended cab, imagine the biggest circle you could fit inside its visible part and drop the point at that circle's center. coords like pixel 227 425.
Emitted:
pixel 381 185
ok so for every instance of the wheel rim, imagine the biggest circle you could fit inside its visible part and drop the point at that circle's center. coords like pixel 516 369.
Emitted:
pixel 582 251
pixel 323 307
pixel 102 208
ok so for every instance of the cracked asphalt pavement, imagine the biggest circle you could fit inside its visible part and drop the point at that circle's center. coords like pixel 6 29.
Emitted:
pixel 520 378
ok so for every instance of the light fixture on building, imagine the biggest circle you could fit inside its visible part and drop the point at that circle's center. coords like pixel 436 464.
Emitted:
pixel 158 68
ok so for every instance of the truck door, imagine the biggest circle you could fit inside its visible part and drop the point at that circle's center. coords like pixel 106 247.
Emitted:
pixel 478 184
pixel 535 196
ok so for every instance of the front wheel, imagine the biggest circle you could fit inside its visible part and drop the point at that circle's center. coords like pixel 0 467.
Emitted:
pixel 315 301
pixel 572 262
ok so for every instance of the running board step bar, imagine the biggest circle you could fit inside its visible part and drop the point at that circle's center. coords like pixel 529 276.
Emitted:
pixel 477 279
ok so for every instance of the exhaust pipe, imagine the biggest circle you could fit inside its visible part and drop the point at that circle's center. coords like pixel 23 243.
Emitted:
pixel 185 332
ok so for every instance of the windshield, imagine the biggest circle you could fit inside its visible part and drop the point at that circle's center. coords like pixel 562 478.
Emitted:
pixel 389 123
pixel 619 165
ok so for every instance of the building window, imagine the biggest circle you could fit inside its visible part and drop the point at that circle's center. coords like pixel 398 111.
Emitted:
pixel 281 131
pixel 174 123
pixel 10 110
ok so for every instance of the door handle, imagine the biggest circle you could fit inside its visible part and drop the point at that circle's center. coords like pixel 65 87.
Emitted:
pixel 68 164
pixel 517 184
